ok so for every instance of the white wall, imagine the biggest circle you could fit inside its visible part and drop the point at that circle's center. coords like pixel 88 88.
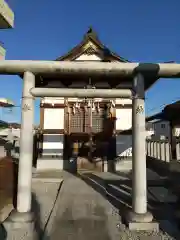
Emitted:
pixel 52 153
pixel 124 122
pixel 52 100
pixel 124 119
pixel 53 118
pixel 53 145
pixel 86 57
pixel 123 101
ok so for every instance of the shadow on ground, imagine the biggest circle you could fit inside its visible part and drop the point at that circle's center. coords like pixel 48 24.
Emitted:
pixel 3 233
pixel 39 229
pixel 39 232
pixel 118 193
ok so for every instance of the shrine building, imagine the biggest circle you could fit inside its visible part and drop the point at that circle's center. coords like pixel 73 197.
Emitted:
pixel 91 129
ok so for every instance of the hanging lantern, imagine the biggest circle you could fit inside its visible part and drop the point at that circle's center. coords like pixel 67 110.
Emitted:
pixel 68 109
pixel 85 108
pixel 67 106
pixel 78 106
pixel 85 105
pixel 110 110
pixel 113 103
pixel 113 109
pixel 93 106
pixel 52 103
pixel 89 104
pixel 97 107
pixel 73 109
pixel 108 106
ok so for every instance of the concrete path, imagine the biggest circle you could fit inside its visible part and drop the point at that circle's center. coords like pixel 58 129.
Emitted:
pixel 85 214
pixel 82 215
pixel 44 195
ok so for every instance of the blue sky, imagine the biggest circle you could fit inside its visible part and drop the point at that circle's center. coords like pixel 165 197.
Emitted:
pixel 141 30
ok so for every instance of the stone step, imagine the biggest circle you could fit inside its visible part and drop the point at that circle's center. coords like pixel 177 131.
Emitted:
pixel 124 165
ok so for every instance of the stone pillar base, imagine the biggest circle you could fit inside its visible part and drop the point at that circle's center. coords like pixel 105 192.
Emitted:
pixel 18 225
pixel 49 163
pixel 109 165
pixel 105 166
pixel 141 222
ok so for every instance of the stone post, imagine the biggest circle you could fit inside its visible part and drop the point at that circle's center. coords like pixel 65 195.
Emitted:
pixel 26 146
pixel 23 216
pixel 139 218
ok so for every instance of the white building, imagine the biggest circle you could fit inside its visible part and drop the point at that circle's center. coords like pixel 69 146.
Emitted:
pixel 87 127
pixel 161 128
pixel 165 123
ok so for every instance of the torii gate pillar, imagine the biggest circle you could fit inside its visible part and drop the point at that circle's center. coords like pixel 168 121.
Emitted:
pixel 23 216
pixel 139 218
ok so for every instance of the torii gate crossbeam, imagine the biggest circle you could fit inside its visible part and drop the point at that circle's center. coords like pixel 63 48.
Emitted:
pixel 165 70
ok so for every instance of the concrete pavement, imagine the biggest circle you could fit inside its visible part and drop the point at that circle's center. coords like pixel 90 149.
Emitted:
pixel 83 213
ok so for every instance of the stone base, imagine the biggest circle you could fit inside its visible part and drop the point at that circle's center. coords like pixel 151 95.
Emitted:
pixel 124 165
pixel 49 164
pixel 20 224
pixel 109 165
pixel 135 226
pixel 141 222
pixel 16 216
pixel 105 166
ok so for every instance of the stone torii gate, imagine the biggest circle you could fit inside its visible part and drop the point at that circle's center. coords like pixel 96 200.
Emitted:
pixel 139 217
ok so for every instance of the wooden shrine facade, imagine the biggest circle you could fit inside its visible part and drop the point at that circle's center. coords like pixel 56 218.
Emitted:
pixel 93 123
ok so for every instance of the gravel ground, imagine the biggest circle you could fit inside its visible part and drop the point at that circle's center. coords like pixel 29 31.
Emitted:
pixel 83 213
pixel 43 199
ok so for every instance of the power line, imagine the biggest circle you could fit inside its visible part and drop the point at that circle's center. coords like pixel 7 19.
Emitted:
pixel 163 105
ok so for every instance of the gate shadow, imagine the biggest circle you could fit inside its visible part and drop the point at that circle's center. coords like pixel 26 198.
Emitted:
pixel 118 193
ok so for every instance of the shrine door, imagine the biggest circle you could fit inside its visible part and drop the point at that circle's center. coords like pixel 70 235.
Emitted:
pixel 87 128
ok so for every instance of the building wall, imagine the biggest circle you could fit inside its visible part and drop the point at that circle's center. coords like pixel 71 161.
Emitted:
pixel 161 128
pixel 53 119
pixel 124 122
pixel 53 145
pixel 123 119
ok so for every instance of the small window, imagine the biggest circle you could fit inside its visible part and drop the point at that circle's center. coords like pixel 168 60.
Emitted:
pixel 163 125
